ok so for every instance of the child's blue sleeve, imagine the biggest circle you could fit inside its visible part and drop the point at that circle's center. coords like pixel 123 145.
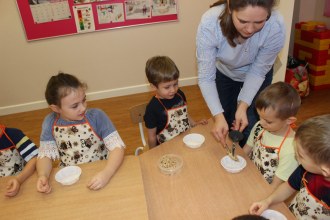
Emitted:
pixel 104 128
pixel 100 122
pixel 47 125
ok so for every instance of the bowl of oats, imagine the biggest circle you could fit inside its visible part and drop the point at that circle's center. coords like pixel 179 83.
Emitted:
pixel 170 164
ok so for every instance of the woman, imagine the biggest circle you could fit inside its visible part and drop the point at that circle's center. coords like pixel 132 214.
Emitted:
pixel 237 44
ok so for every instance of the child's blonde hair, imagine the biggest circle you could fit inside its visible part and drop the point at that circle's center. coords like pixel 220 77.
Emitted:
pixel 281 97
pixel 161 69
pixel 60 86
pixel 314 137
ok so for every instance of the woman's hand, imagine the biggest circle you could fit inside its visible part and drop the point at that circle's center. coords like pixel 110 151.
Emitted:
pixel 241 120
pixel 220 128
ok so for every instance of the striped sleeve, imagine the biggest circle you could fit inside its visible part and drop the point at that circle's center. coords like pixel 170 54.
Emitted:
pixel 23 144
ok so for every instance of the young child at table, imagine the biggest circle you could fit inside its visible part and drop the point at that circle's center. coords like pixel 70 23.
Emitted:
pixel 312 178
pixel 270 144
pixel 166 114
pixel 75 134
pixel 249 217
pixel 17 158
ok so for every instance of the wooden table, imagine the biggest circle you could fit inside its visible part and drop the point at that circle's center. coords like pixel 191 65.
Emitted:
pixel 122 198
pixel 202 189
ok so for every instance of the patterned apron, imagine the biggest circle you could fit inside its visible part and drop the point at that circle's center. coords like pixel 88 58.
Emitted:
pixel 78 144
pixel 177 122
pixel 11 162
pixel 266 157
pixel 306 206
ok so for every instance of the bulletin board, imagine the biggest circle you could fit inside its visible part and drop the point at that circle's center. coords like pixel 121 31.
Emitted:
pixel 53 18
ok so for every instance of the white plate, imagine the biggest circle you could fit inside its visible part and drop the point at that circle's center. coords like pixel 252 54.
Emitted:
pixel 233 166
pixel 273 215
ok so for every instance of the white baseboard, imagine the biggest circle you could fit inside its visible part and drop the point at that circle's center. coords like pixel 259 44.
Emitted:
pixel 30 106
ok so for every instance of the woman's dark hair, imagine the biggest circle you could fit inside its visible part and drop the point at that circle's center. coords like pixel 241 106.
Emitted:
pixel 226 21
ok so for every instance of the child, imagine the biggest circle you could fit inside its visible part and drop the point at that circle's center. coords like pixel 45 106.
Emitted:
pixel 17 158
pixel 75 134
pixel 166 114
pixel 249 217
pixel 311 178
pixel 270 144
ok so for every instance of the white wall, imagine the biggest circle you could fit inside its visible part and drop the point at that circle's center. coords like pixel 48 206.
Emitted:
pixel 286 9
pixel 313 11
pixel 111 62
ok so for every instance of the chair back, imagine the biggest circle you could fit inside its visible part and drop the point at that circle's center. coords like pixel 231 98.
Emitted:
pixel 137 112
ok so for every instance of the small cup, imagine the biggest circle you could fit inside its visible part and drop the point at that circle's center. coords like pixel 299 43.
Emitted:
pixel 194 140
pixel 170 164
pixel 68 175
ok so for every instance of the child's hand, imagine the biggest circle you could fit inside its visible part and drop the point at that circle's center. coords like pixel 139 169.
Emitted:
pixel 257 208
pixel 13 187
pixel 43 185
pixel 98 181
pixel 202 122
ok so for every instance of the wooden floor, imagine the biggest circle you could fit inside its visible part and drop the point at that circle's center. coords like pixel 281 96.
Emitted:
pixel 118 110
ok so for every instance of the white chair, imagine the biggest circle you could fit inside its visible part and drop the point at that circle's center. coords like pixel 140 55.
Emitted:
pixel 137 113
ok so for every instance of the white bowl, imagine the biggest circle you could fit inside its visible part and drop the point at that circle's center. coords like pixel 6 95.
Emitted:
pixel 273 215
pixel 233 166
pixel 68 175
pixel 194 140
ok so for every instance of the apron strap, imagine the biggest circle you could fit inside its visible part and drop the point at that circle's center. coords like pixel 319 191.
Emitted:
pixel 3 128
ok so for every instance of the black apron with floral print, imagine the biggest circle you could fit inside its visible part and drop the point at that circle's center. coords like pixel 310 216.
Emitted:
pixel 306 206
pixel 266 158
pixel 177 122
pixel 11 162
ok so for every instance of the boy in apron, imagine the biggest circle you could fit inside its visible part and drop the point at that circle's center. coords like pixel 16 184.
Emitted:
pixel 17 158
pixel 75 135
pixel 312 178
pixel 166 114
pixel 270 144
